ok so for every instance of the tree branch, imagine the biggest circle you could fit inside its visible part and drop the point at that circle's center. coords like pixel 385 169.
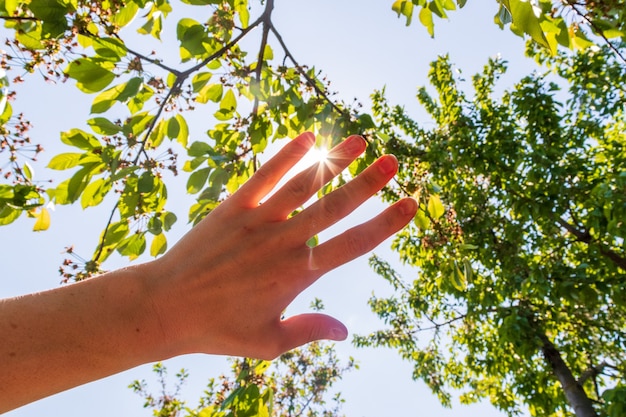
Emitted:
pixel 597 30
pixel 100 248
pixel 151 60
pixel 585 237
pixel 19 18
pixel 223 49
pixel 267 23
pixel 592 372
pixel 311 81
pixel 574 392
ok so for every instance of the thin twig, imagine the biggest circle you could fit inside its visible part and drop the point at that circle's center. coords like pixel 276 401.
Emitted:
pixel 311 81
pixel 597 30
pixel 18 18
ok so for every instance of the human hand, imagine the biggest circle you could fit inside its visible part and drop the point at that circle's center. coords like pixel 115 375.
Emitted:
pixel 223 287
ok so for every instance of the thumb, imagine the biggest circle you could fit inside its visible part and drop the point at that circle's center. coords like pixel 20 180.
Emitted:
pixel 305 328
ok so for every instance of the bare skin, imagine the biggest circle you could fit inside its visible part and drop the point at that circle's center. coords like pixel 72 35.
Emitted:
pixel 220 290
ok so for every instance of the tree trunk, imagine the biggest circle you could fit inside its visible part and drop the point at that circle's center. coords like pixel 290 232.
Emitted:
pixel 574 392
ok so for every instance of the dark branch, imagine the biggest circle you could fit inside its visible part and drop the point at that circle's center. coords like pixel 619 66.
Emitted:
pixel 223 49
pixel 597 30
pixel 592 372
pixel 98 254
pixel 19 18
pixel 585 237
pixel 311 81
pixel 153 61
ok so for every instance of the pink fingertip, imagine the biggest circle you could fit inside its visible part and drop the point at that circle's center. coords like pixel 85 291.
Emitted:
pixel 338 333
pixel 408 206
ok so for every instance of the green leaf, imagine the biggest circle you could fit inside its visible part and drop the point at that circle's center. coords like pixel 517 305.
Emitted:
pixel 229 101
pixel 153 26
pixel 137 124
pixel 146 182
pixel 197 180
pixel 524 18
pixel 313 241
pixel 168 220
pixel 109 48
pixel 435 207
pixel 8 215
pixel 173 128
pixel 121 92
pixel 90 76
pixel 133 246
pixel 95 192
pixel 53 16
pixel 503 17
pixel 403 7
pixel 241 8
pixel 158 134
pixel 27 170
pixel 467 270
pixel 76 185
pixel 42 220
pixel 80 139
pixel 210 92
pixel 426 18
pixel 126 14
pixel 103 126
pixel 116 232
pixel 192 36
pixel 458 278
pixel 366 122
pixel 199 149
pixel 200 80
pixel 137 101
pixel 177 129
pixel 183 132
pixel 64 161
pixel 159 245
pixel 421 220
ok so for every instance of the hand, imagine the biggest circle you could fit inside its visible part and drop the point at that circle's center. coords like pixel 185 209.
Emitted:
pixel 223 288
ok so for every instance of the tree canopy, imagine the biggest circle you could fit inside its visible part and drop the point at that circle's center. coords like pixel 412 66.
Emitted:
pixel 519 243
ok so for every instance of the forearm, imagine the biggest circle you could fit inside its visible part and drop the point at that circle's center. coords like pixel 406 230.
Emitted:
pixel 58 339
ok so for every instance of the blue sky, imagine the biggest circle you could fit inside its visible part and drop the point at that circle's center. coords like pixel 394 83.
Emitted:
pixel 361 46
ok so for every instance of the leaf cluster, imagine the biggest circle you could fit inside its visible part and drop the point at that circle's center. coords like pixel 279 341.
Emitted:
pixel 298 383
pixel 549 23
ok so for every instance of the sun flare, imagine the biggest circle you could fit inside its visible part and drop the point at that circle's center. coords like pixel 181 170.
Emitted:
pixel 316 155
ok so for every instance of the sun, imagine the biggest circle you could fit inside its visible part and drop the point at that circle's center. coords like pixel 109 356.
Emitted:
pixel 316 155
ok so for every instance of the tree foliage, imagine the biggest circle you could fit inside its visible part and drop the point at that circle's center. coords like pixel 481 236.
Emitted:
pixel 519 240
pixel 571 24
pixel 296 384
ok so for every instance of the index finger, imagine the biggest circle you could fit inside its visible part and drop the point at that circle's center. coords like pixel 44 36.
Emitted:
pixel 266 178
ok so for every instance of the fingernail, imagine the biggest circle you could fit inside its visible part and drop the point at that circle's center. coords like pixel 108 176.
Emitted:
pixel 338 334
pixel 355 144
pixel 387 164
pixel 408 207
